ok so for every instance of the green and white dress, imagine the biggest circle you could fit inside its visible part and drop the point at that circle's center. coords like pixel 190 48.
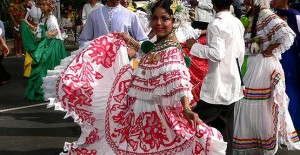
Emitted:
pixel 45 52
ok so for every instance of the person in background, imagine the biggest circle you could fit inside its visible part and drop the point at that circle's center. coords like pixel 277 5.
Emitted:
pixel 291 58
pixel 262 120
pixel 17 11
pixel 203 13
pixel 33 15
pixel 35 12
pixel 112 17
pixel 88 8
pixel 65 22
pixel 238 6
pixel 45 46
pixel 4 51
pixel 221 87
pixel 128 4
pixel 71 13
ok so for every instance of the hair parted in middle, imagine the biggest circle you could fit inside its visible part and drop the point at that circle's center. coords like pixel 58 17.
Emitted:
pixel 50 3
pixel 175 8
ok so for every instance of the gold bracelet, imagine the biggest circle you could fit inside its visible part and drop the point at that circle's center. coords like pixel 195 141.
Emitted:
pixel 187 109
pixel 134 44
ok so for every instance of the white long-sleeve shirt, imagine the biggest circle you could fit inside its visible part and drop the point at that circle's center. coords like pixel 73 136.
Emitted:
pixel 225 43
pixel 87 9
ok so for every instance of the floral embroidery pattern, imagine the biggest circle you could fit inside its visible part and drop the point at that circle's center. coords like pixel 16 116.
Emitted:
pixel 77 82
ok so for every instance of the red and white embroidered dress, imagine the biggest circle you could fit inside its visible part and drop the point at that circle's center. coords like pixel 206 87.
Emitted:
pixel 121 111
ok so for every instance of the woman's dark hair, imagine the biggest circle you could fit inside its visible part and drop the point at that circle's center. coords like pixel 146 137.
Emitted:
pixel 222 4
pixel 165 4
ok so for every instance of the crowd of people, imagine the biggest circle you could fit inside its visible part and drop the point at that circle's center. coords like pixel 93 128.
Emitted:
pixel 171 77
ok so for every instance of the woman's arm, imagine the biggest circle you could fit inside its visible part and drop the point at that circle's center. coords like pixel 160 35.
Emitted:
pixel 269 51
pixel 187 111
pixel 5 49
pixel 32 27
pixel 51 34
pixel 13 19
pixel 133 44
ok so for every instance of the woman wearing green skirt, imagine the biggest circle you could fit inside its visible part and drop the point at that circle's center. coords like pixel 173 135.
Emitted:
pixel 45 45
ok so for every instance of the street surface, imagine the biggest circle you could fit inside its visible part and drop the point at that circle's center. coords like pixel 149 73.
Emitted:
pixel 29 128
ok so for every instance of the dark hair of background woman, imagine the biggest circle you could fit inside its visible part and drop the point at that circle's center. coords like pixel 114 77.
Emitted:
pixel 165 4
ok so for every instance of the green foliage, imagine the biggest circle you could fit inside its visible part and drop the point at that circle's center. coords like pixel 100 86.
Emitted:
pixel 179 9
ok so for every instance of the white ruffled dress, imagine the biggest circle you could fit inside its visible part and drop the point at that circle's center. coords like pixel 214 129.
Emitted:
pixel 121 111
pixel 262 120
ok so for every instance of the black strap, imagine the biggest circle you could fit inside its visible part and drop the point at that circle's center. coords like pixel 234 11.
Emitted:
pixel 238 64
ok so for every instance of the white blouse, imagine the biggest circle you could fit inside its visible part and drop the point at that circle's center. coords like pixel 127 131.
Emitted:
pixel 52 25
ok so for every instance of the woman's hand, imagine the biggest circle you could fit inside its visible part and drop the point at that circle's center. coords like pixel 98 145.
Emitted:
pixel 49 34
pixel 4 50
pixel 131 52
pixel 191 116
pixel 124 35
pixel 269 51
pixel 189 43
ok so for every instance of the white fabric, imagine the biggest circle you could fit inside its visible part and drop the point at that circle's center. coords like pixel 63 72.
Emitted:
pixel 87 9
pixel 99 90
pixel 35 13
pixel 265 102
pixel 225 43
pixel 0 31
pixel 204 11
pixel 186 31
pixel 298 22
pixel 51 26
pixel 144 20
pixel 65 22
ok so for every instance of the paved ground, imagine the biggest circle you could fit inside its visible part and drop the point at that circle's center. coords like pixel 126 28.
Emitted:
pixel 29 128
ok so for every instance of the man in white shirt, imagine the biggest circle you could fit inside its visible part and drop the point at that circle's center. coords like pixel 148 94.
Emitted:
pixel 221 87
pixel 88 8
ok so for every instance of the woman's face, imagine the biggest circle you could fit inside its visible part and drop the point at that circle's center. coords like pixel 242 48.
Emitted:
pixel 278 4
pixel 44 7
pixel 70 7
pixel 161 22
pixel 125 3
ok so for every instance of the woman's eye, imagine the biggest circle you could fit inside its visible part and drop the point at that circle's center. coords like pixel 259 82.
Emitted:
pixel 165 18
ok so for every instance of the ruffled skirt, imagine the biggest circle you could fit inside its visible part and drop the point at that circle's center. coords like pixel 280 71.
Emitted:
pixel 262 120
pixel 92 87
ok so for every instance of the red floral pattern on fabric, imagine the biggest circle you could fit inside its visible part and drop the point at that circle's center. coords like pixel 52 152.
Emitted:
pixel 143 131
pixel 198 150
pixel 93 137
pixel 77 82
pixel 100 52
pixel 83 151
pixel 132 126
pixel 198 70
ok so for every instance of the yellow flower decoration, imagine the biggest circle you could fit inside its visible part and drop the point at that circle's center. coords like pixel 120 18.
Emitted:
pixel 174 6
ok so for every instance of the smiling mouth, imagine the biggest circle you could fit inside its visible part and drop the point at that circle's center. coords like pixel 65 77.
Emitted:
pixel 159 29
